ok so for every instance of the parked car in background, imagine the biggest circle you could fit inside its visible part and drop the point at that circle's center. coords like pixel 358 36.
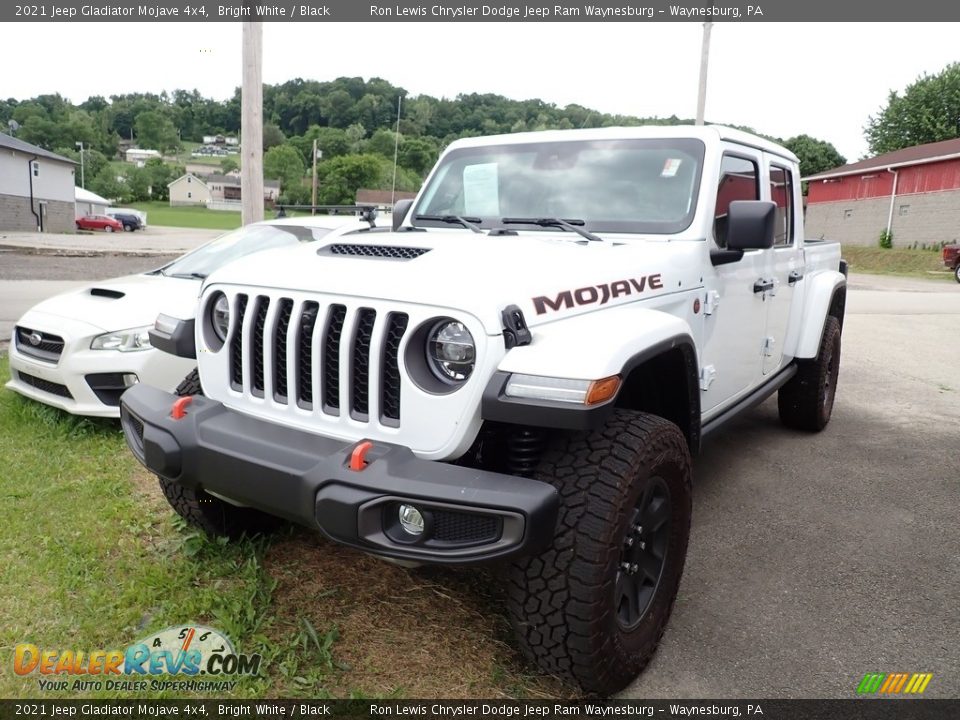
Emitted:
pixel 140 215
pixel 79 351
pixel 130 222
pixel 99 222
pixel 951 258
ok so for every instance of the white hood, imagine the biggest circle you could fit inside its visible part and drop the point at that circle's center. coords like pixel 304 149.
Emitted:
pixel 548 275
pixel 127 302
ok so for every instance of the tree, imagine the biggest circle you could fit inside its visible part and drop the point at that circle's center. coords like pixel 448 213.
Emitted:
pixel 156 131
pixel 341 177
pixel 228 165
pixel 106 184
pixel 382 143
pixel 418 154
pixel 272 136
pixel 161 175
pixel 284 163
pixel 815 155
pixel 928 111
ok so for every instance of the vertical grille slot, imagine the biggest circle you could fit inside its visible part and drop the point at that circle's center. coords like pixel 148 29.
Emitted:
pixel 331 358
pixel 308 322
pixel 236 346
pixel 390 372
pixel 280 350
pixel 360 375
pixel 256 357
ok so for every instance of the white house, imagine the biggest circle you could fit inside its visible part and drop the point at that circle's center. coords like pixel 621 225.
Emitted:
pixel 189 189
pixel 36 188
pixel 88 203
pixel 137 155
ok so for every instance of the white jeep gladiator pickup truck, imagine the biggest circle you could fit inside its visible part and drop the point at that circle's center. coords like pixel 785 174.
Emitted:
pixel 519 372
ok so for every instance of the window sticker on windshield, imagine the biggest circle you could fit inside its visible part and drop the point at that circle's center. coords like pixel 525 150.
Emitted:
pixel 481 194
pixel 670 167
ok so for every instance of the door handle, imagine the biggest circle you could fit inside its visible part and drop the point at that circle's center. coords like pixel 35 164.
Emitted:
pixel 762 285
pixel 794 276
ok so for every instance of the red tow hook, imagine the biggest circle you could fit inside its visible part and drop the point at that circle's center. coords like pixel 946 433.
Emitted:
pixel 358 457
pixel 179 410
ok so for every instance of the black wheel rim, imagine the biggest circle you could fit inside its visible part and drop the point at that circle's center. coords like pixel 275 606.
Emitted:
pixel 644 554
pixel 830 378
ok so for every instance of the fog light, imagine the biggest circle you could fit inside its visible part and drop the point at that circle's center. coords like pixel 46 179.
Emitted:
pixel 411 520
pixel 130 379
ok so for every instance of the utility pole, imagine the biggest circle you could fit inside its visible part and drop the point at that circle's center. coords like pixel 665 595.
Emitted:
pixel 396 151
pixel 704 62
pixel 83 180
pixel 251 124
pixel 313 194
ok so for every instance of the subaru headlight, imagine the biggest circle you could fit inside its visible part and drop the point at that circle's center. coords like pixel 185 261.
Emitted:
pixel 220 316
pixel 131 340
pixel 451 353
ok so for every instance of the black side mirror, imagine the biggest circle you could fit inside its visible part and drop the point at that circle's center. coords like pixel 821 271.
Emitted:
pixel 400 211
pixel 750 224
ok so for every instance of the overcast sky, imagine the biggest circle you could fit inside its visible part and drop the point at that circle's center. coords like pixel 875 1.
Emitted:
pixel 822 79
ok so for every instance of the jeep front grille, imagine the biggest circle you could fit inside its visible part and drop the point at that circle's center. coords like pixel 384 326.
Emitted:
pixel 39 345
pixel 312 349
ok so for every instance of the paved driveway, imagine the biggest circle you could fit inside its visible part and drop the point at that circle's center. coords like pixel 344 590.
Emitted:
pixel 817 558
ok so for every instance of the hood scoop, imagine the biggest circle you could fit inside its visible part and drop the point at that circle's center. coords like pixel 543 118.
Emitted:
pixel 383 252
pixel 104 292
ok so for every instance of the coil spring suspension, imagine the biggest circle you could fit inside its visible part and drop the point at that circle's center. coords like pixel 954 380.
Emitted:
pixel 524 448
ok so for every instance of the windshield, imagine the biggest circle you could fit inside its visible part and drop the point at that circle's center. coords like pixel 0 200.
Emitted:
pixel 226 248
pixel 638 186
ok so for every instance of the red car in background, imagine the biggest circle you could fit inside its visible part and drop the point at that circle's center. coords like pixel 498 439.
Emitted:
pixel 99 222
pixel 951 258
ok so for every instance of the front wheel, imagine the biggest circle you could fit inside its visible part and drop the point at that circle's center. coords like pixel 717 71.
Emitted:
pixel 108 228
pixel 214 516
pixel 593 606
pixel 956 273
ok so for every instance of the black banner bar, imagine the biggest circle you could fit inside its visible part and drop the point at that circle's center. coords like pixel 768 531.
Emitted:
pixel 472 11
pixel 857 709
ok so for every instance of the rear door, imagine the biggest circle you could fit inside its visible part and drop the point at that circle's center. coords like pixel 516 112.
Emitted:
pixel 785 268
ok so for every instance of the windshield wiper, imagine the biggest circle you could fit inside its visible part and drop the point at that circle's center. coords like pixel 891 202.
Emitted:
pixel 571 224
pixel 467 222
pixel 189 276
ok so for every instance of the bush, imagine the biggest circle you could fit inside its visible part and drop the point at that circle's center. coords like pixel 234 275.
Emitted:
pixel 886 239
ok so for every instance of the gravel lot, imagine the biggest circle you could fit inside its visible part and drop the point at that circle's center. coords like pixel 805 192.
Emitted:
pixel 19 266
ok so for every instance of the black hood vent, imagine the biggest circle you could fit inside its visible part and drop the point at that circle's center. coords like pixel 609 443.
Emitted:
pixel 385 252
pixel 104 292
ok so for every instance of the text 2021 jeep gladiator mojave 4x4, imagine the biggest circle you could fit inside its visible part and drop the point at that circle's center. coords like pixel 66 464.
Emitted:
pixel 519 371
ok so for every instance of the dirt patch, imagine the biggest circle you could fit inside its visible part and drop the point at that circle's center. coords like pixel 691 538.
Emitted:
pixel 424 633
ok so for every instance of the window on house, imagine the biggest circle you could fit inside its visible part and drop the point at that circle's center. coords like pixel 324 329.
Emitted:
pixel 189 195
pixel 904 209
pixel 36 170
pixel 189 179
pixel 847 214
pixel 781 193
pixel 738 181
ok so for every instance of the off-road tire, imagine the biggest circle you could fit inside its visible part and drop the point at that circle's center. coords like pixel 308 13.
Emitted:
pixel 563 603
pixel 806 401
pixel 214 516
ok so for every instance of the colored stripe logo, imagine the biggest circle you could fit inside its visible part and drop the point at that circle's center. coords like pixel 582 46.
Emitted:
pixel 894 683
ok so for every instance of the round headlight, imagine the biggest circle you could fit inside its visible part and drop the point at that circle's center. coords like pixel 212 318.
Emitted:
pixel 220 317
pixel 451 353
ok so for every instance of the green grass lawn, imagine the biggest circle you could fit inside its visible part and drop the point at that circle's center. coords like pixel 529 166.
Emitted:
pixel 161 214
pixel 92 558
pixel 896 261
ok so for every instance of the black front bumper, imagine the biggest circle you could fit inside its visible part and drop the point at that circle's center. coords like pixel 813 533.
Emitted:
pixel 471 515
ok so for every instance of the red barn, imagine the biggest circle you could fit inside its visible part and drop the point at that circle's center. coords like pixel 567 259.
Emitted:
pixel 914 192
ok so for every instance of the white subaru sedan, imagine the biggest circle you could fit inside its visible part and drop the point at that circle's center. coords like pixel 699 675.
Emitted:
pixel 81 350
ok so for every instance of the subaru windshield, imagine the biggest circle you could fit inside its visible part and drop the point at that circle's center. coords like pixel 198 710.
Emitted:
pixel 628 186
pixel 226 248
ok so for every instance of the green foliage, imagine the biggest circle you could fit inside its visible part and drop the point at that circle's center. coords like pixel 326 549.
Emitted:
pixel 815 155
pixel 927 111
pixel 382 143
pixel 418 154
pixel 106 185
pixel 228 165
pixel 156 131
pixel 886 239
pixel 272 136
pixel 285 163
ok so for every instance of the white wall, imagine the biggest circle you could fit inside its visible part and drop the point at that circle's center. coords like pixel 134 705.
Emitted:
pixel 53 181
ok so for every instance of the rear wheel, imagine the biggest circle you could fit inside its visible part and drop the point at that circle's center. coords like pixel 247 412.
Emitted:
pixel 214 516
pixel 806 401
pixel 593 606
pixel 956 273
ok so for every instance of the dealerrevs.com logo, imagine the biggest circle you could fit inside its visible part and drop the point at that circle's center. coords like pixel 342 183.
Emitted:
pixel 186 651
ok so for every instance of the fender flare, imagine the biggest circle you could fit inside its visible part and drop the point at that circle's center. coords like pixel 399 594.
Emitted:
pixel 825 288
